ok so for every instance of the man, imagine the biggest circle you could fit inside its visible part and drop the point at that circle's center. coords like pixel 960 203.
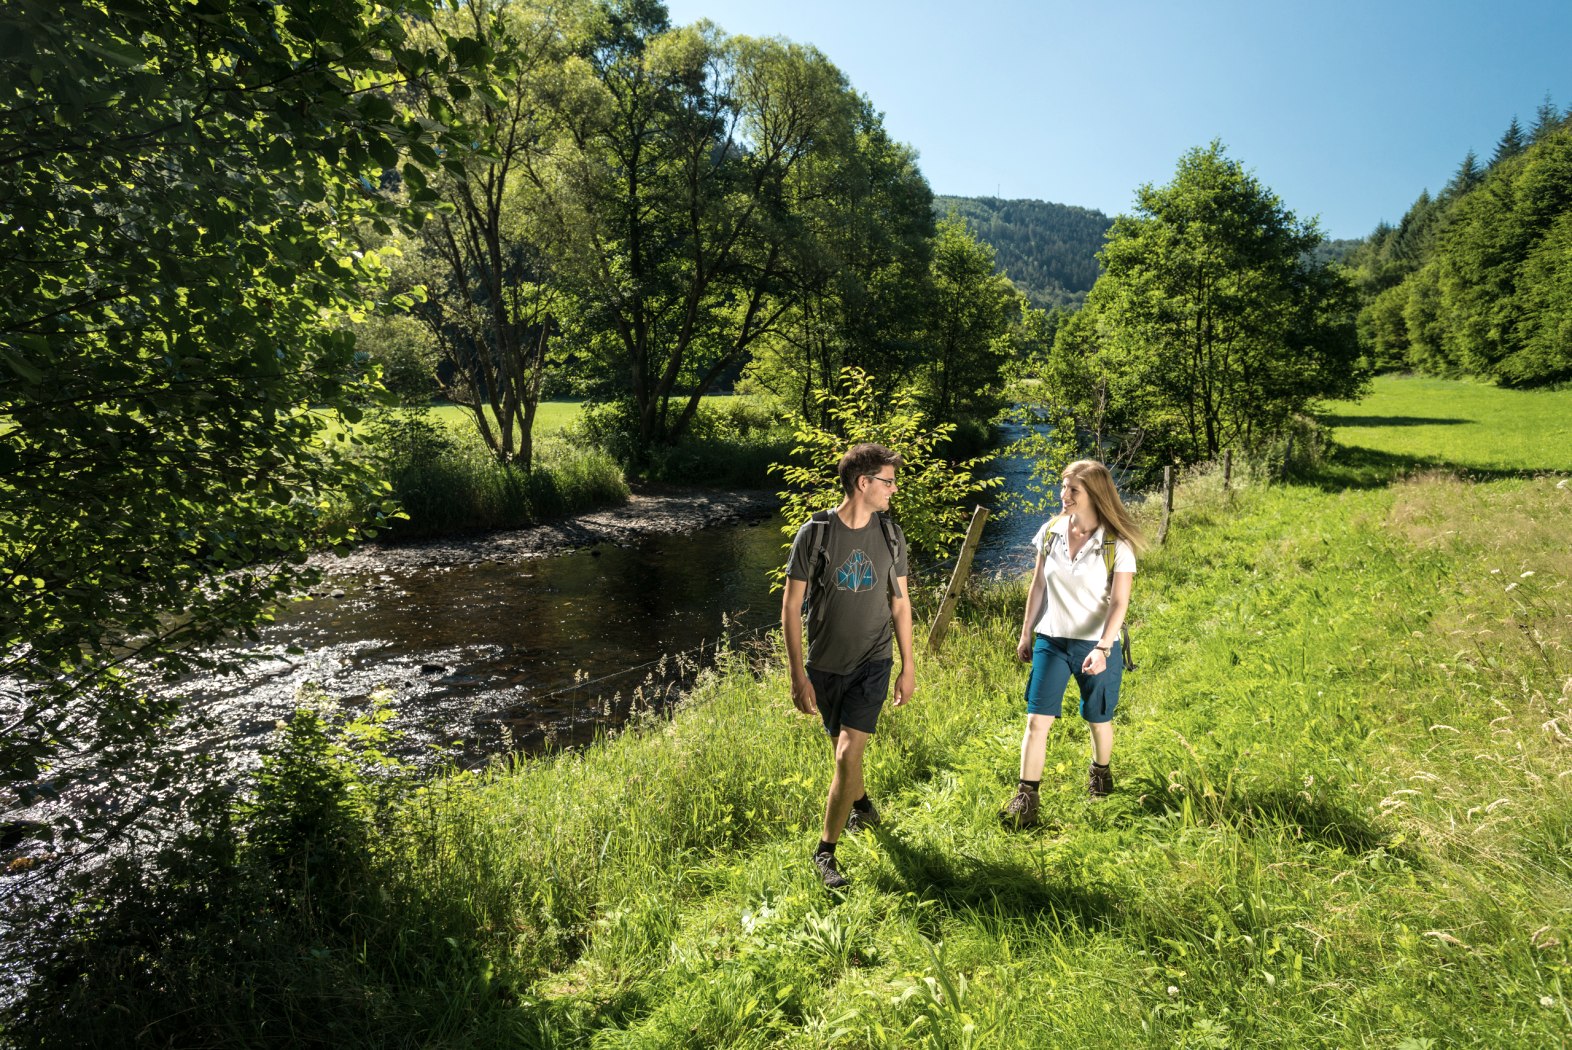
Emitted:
pixel 851 564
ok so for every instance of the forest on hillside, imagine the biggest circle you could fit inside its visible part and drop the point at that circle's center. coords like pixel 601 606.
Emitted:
pixel 1475 280
pixel 1048 250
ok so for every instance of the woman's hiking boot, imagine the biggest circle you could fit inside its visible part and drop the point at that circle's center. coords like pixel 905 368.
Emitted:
pixel 1021 811
pixel 1099 781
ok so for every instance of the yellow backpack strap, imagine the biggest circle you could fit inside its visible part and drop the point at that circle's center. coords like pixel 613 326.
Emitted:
pixel 1047 530
pixel 1124 628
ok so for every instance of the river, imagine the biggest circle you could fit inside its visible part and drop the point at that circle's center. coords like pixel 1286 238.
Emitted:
pixel 527 655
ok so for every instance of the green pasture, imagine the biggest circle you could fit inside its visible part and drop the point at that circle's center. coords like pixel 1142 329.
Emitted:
pixel 550 418
pixel 1417 421
pixel 1342 818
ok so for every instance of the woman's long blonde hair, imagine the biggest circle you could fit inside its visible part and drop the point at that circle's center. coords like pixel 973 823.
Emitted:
pixel 1099 485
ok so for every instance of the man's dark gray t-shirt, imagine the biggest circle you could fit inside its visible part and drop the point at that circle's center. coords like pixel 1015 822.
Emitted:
pixel 849 620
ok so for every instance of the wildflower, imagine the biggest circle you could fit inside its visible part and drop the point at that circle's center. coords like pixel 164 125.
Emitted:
pixel 1172 990
pixel 1546 1001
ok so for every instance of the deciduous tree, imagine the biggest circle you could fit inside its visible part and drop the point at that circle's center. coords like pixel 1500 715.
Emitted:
pixel 670 205
pixel 972 311
pixel 180 189
pixel 860 274
pixel 1210 326
pixel 492 307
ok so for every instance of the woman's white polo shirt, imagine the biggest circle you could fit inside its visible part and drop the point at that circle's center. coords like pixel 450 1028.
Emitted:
pixel 1076 604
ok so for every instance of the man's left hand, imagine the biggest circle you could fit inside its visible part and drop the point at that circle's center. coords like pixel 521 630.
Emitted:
pixel 905 685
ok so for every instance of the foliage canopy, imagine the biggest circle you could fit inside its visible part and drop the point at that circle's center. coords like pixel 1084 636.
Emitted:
pixel 179 194
pixel 1474 280
pixel 1209 329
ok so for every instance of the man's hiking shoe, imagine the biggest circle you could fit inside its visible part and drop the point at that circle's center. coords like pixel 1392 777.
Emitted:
pixel 1021 811
pixel 833 879
pixel 858 819
pixel 1099 781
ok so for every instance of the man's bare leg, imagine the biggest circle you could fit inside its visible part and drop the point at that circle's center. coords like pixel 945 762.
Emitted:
pixel 846 786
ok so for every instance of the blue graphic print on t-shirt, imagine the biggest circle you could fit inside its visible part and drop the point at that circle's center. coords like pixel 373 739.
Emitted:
pixel 856 574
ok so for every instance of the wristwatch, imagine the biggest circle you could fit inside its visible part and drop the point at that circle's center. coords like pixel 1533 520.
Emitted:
pixel 1106 650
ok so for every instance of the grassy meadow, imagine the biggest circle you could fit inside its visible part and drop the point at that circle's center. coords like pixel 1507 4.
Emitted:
pixel 1342 817
pixel 1458 424
pixel 550 418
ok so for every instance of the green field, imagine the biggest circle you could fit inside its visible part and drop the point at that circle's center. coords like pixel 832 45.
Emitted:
pixel 1459 423
pixel 1342 820
pixel 550 418
pixel 1342 817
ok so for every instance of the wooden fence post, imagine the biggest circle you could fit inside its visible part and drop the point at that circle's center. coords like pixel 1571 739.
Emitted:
pixel 1168 503
pixel 1228 468
pixel 963 569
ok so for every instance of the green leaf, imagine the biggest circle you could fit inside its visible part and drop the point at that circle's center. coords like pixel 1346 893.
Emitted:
pixel 21 366
pixel 382 151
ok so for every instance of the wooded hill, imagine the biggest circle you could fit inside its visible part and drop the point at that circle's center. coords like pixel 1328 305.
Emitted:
pixel 1475 280
pixel 1048 250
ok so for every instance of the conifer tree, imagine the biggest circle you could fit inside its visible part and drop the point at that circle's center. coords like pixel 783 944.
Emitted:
pixel 1546 119
pixel 1512 143
pixel 1467 176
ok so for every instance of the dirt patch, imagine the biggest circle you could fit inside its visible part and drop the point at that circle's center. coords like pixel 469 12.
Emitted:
pixel 650 510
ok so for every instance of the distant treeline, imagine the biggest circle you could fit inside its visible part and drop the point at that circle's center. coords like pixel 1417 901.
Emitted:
pixel 1477 279
pixel 1048 250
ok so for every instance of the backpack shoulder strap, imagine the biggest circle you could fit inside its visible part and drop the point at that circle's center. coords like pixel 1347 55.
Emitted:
pixel 892 537
pixel 1048 529
pixel 820 552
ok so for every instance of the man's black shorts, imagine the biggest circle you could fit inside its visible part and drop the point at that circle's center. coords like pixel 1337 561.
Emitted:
pixel 854 699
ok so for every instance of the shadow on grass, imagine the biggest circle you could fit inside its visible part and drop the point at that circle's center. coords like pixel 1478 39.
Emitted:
pixel 1355 467
pixel 1392 421
pixel 1299 815
pixel 961 882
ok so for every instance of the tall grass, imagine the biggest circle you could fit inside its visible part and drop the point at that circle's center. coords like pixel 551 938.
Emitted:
pixel 1342 818
pixel 446 481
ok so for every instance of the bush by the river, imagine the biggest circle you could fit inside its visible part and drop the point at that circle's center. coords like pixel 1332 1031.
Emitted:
pixel 447 481
pixel 730 444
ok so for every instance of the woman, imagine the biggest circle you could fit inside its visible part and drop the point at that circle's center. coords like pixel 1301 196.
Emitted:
pixel 1075 607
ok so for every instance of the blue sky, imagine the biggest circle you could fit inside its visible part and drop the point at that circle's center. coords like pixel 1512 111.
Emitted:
pixel 1347 109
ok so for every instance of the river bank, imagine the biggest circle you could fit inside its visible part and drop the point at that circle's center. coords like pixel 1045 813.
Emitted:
pixel 651 510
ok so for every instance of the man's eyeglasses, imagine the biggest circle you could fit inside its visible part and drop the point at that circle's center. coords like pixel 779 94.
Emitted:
pixel 888 481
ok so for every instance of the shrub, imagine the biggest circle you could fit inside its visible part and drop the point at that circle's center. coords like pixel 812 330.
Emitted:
pixel 273 916
pixel 448 482
pixel 731 443
pixel 928 503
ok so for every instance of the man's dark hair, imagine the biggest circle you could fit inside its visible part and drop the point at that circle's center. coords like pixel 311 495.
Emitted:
pixel 861 460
